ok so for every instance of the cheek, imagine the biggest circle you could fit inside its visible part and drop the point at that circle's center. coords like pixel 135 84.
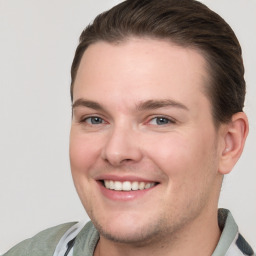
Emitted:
pixel 83 151
pixel 181 156
pixel 170 151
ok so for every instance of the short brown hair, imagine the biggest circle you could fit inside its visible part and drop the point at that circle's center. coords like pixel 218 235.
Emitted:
pixel 187 23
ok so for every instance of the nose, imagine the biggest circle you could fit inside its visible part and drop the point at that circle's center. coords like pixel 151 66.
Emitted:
pixel 122 146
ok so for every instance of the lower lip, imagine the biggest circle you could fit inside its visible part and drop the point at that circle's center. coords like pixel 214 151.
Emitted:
pixel 123 195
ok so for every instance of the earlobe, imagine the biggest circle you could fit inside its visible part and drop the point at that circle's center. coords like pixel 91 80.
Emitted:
pixel 234 140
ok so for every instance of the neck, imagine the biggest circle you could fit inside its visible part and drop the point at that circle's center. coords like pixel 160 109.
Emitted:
pixel 199 237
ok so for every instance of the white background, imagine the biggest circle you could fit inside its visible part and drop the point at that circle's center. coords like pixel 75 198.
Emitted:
pixel 37 44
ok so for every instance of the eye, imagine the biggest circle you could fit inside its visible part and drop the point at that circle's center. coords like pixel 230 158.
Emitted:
pixel 160 121
pixel 93 120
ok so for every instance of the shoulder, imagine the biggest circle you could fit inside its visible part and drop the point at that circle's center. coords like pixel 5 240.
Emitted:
pixel 86 240
pixel 231 241
pixel 42 244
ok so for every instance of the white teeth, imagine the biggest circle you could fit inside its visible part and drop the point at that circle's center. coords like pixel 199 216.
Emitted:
pixel 147 185
pixel 118 185
pixel 111 184
pixel 127 185
pixel 135 185
pixel 107 183
pixel 141 185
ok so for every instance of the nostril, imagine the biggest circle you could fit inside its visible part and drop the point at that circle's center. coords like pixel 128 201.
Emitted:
pixel 127 160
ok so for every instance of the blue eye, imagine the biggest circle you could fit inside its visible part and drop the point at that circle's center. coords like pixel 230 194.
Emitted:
pixel 160 121
pixel 94 120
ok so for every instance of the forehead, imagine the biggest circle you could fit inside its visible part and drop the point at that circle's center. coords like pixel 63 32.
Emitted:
pixel 140 68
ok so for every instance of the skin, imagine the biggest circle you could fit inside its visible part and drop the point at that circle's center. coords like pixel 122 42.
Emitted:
pixel 117 133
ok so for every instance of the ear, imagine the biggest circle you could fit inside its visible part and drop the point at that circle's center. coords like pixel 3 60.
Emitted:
pixel 234 139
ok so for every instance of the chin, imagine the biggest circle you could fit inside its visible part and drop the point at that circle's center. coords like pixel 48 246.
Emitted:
pixel 136 230
pixel 127 234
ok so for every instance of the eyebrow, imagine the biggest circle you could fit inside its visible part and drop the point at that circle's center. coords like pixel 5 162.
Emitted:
pixel 155 104
pixel 87 103
pixel 142 106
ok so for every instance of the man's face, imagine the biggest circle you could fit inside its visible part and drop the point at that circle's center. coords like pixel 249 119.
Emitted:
pixel 143 126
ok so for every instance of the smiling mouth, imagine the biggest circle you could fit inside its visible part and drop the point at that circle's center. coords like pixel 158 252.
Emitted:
pixel 128 185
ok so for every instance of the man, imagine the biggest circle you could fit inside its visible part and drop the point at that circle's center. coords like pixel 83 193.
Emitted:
pixel 157 95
